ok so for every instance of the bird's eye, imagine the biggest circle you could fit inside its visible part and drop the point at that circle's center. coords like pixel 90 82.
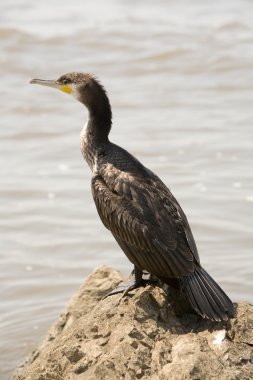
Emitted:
pixel 65 81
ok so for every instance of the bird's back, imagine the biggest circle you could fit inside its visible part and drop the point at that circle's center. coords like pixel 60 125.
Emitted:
pixel 140 211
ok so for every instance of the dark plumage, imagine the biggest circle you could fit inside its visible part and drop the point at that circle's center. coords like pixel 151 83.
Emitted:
pixel 136 206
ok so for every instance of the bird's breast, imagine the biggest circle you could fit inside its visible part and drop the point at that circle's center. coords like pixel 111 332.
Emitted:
pixel 88 149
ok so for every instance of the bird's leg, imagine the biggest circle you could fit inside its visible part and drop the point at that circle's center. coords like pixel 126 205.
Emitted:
pixel 126 287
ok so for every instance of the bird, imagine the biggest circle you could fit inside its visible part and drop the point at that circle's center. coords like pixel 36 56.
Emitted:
pixel 134 204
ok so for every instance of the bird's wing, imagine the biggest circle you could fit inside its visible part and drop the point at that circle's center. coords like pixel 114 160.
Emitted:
pixel 140 214
pixel 179 215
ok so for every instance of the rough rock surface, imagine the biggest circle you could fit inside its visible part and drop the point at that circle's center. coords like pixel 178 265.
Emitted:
pixel 140 336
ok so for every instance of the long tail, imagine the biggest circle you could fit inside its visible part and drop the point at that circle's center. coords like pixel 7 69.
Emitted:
pixel 206 297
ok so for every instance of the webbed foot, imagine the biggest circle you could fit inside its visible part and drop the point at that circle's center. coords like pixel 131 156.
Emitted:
pixel 126 287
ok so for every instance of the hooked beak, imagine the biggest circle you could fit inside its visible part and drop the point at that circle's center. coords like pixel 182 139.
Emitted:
pixel 52 83
pixel 47 83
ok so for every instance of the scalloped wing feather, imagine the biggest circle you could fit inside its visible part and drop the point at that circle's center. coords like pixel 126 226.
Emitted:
pixel 142 224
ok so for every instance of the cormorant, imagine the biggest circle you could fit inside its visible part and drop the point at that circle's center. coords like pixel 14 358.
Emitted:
pixel 137 207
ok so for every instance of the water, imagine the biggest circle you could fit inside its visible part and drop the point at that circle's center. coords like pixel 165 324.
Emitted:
pixel 179 76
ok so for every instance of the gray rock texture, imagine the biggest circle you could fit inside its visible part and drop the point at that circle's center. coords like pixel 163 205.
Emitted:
pixel 141 336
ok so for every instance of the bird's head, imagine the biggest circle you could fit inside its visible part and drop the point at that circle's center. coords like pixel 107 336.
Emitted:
pixel 82 86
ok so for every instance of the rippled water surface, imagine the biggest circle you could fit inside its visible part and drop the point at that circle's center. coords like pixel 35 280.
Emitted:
pixel 180 80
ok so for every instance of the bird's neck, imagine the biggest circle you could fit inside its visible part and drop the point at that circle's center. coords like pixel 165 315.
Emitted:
pixel 94 139
pixel 94 136
pixel 99 124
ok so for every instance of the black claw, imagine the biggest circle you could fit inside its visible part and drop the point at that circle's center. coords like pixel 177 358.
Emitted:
pixel 126 287
pixel 138 281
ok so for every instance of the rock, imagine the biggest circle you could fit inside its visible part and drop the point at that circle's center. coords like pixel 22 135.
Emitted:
pixel 141 336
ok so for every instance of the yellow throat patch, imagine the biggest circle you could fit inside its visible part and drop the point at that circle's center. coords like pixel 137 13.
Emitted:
pixel 66 88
